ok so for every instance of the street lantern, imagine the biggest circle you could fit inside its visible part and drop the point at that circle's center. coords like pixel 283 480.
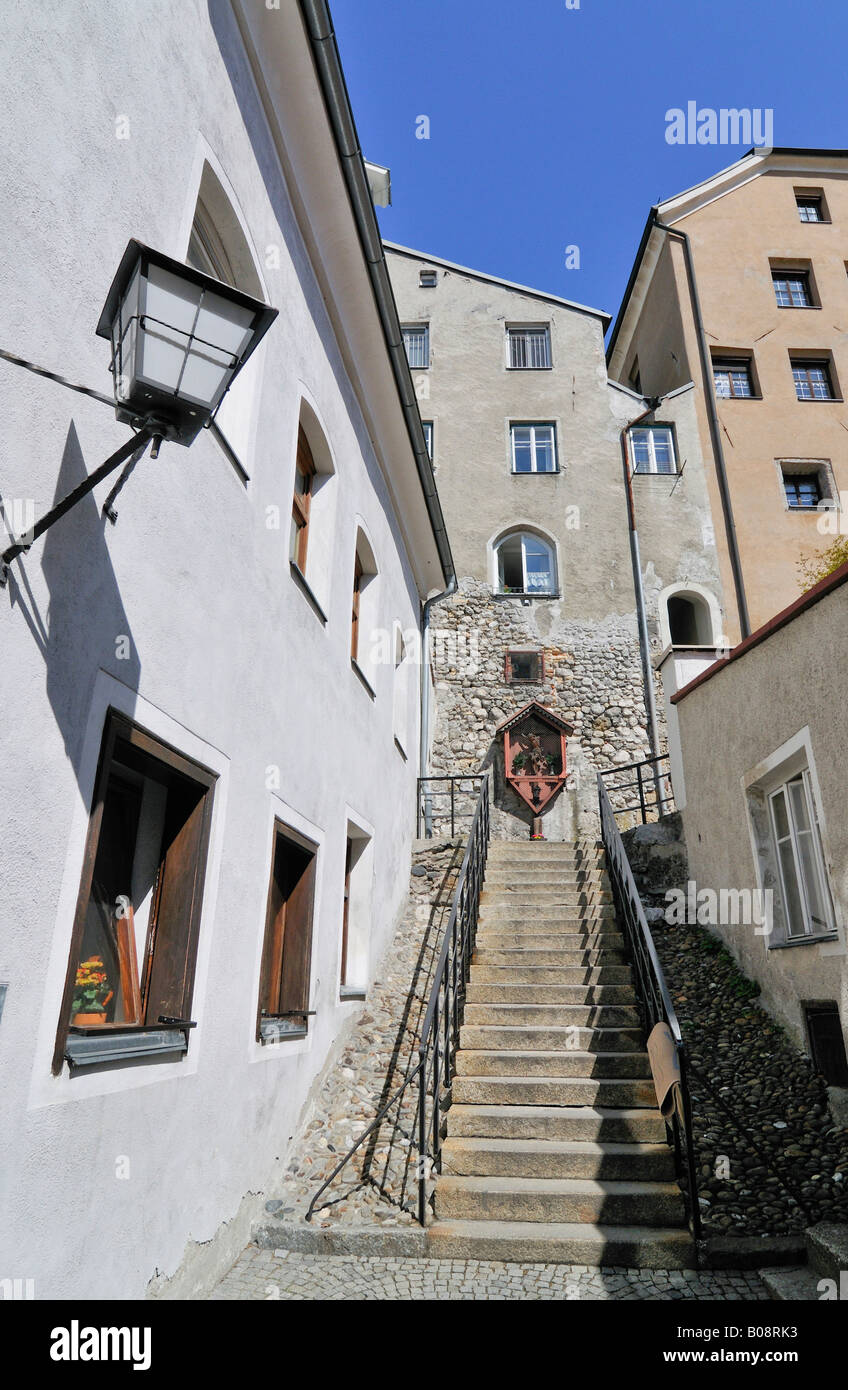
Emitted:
pixel 178 339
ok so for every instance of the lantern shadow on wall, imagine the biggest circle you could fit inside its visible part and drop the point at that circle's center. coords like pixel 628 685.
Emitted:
pixel 535 757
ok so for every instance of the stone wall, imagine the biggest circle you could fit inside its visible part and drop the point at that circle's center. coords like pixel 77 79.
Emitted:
pixel 592 678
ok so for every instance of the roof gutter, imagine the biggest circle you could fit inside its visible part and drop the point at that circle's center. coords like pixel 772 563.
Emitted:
pixel 319 28
pixel 715 427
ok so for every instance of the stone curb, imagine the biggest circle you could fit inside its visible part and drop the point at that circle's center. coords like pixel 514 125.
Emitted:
pixel 342 1240
pixel 752 1252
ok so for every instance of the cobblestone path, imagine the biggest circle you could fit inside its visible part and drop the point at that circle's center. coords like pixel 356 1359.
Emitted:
pixel 286 1274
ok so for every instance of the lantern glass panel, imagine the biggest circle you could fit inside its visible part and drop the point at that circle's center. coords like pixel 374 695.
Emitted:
pixel 197 368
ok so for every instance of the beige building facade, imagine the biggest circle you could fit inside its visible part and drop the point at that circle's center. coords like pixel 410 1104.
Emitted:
pixel 740 286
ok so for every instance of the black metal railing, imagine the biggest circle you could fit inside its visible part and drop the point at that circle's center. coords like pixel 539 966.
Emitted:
pixel 439 1039
pixel 444 801
pixel 653 996
pixel 652 781
pixel 439 1036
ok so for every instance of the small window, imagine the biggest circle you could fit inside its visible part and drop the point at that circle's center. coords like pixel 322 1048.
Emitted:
pixel 827 1042
pixel 732 377
pixel 416 340
pixel 287 952
pixel 810 206
pixel 806 898
pixel 356 912
pixel 355 607
pixel 812 377
pixel 524 667
pixel 802 490
pixel 428 436
pixel 806 483
pixel 427 279
pixel 304 477
pixel 634 377
pixel 533 448
pixel 137 920
pixel 529 348
pixel 525 565
pixel 792 289
pixel 365 617
pixel 653 450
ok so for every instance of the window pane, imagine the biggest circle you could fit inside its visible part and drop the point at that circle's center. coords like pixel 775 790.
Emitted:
pixel 794 910
pixel 781 817
pixel 522 453
pixel 510 571
pixel 722 383
pixel 537 560
pixel 545 461
pixel 810 871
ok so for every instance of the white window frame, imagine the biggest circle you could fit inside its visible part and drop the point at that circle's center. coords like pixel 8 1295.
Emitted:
pixel 650 431
pixel 422 330
pixel 810 927
pixel 526 592
pixel 516 332
pixel 540 425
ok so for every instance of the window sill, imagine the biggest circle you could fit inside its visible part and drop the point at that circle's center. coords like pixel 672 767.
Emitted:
pixel 351 993
pixel 549 368
pixel 302 584
pixel 797 306
pixel 91 1047
pixel 803 941
pixel 655 473
pixel 355 666
pixel 535 472
pixel 271 1031
pixel 821 400
pixel 526 595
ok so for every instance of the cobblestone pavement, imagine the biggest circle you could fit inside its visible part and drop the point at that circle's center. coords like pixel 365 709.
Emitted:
pixel 286 1274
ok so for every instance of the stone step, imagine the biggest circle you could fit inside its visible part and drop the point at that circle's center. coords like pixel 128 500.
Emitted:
pixel 568 1039
pixel 557 1158
pixel 574 991
pixel 585 924
pixel 505 887
pixel 551 1090
pixel 491 940
pixel 792 1284
pixel 521 956
pixel 580 976
pixel 558 1200
pixel 597 1124
pixel 827 1249
pixel 562 1063
pixel 546 1006
pixel 562 1243
pixel 569 901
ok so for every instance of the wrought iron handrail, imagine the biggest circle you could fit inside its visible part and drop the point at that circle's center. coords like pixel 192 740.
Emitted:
pixel 653 995
pixel 656 782
pixel 427 793
pixel 439 1044
pixel 439 1039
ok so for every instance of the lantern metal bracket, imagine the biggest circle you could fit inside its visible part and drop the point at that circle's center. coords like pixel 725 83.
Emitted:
pixel 150 431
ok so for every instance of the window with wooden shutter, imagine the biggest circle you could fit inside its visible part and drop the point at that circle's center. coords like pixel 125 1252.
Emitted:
pixel 287 953
pixel 303 483
pixel 135 932
pixel 354 620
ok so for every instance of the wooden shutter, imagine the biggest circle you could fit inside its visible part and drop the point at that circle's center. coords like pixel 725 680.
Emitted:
pixel 174 931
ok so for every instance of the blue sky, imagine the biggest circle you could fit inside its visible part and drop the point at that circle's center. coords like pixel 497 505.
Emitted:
pixel 547 124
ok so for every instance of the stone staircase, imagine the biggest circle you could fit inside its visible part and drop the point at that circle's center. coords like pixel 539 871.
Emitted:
pixel 555 1150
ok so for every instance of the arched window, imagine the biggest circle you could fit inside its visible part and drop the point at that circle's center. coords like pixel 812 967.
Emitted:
pixel 364 609
pixel 689 621
pixel 525 564
pixel 218 246
pixel 312 531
